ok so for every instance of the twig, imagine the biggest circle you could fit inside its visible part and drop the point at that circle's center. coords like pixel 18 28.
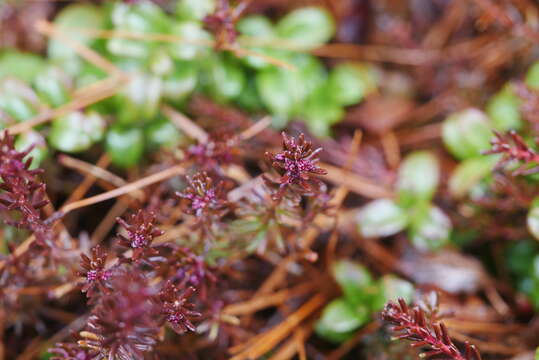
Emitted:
pixel 271 338
pixel 185 124
pixel 160 176
pixel 96 172
pixel 256 128
pixel 92 56
pixel 106 90
pixel 355 183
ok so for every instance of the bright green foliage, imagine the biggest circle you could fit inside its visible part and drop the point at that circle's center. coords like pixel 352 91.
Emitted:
pixel 362 297
pixel 17 100
pixel 162 71
pixel 76 131
pixel 349 83
pixel 161 133
pixel 77 15
pixel 23 66
pixel 223 78
pixel 306 28
pixel 532 76
pixel 52 86
pixel 469 173
pixel 533 218
pixel 39 151
pixel 503 109
pixel 418 177
pixel 523 261
pixel 194 9
pixel 125 146
pixel 382 217
pixel 193 33
pixel 467 133
pixel 428 227
pixel 139 101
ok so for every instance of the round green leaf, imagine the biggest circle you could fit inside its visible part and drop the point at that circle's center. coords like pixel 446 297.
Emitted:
pixel 395 288
pixel 382 217
pixel 418 177
pixel 39 151
pixel 350 82
pixel 125 146
pixel 181 83
pixel 469 173
pixel 307 27
pixel 76 131
pixel 504 110
pixel 75 15
pixel 532 76
pixel 430 228
pixel 143 18
pixel 533 218
pixel 354 280
pixel 194 9
pixel 139 101
pixel 256 26
pixel 467 133
pixel 162 133
pixel 23 66
pixel 17 99
pixel 52 86
pixel 192 32
pixel 339 319
pixel 224 79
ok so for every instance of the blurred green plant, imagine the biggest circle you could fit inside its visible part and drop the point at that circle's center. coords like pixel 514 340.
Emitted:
pixel 362 297
pixel 172 71
pixel 412 209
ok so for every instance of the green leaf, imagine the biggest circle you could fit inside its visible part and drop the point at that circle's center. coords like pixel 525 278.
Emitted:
pixel 23 66
pixel 349 83
pixel 141 18
pixel 161 63
pixel 39 151
pixel 162 133
pixel 125 146
pixel 320 112
pixel 256 26
pixel 224 78
pixel 467 133
pixel 537 354
pixel 520 256
pixel 430 228
pixel 533 218
pixel 354 280
pixel 306 27
pixel 339 319
pixel 192 32
pixel 395 288
pixel 194 9
pixel 139 101
pixel 283 90
pixel 532 76
pixel 52 86
pixel 258 29
pixel 249 98
pixel 76 131
pixel 382 217
pixel 17 99
pixel 76 15
pixel 418 177
pixel 181 83
pixel 504 110
pixel 469 173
